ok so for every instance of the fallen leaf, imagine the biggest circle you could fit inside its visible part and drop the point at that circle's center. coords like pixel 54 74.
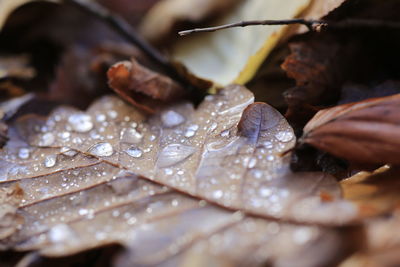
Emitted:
pixel 175 12
pixel 364 132
pixel 112 175
pixel 202 153
pixel 233 56
pixel 142 87
pixel 15 67
pixel 374 192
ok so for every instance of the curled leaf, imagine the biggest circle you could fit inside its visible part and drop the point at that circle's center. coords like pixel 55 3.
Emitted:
pixel 361 132
pixel 142 87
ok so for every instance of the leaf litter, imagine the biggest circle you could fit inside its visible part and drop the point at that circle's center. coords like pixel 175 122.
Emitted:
pixel 185 186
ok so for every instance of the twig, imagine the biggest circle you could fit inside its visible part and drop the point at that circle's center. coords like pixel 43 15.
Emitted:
pixel 312 25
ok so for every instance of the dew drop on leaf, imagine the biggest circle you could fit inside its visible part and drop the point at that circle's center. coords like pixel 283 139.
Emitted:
pixel 23 153
pixel 47 139
pixel 134 152
pixel 172 118
pixel 173 154
pixel 285 136
pixel 102 149
pixel 60 233
pixel 50 161
pixel 80 122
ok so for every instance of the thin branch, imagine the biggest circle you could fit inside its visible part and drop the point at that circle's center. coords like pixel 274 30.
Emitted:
pixel 312 25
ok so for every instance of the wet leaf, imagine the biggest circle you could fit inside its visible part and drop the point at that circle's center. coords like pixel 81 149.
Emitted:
pixel 142 87
pixel 234 55
pixel 175 12
pixel 361 132
pixel 114 175
pixel 201 152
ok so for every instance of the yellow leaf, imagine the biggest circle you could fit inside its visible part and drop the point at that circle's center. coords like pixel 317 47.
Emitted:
pixel 234 55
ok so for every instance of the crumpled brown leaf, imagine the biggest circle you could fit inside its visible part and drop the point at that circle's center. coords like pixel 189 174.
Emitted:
pixel 112 175
pixel 141 87
pixel 365 132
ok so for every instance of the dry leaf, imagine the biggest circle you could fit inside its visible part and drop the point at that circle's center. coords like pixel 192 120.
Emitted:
pixel 79 190
pixel 166 14
pixel 142 87
pixel 361 132
pixel 374 192
pixel 233 56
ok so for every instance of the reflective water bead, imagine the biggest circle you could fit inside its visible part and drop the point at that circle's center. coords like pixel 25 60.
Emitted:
pixel 60 233
pixel 47 139
pixel 102 149
pixel 173 154
pixel 67 151
pixel 50 161
pixel 171 118
pixel 284 136
pixel 218 194
pixel 80 122
pixel 23 153
pixel 134 152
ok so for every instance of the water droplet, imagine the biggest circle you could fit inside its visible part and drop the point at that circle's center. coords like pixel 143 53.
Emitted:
pixel 265 192
pixel 257 174
pixel 50 161
pixel 172 118
pixel 175 202
pixel 213 126
pixel 23 153
pixel 102 149
pixel 173 154
pixel 134 152
pixel 252 163
pixel 190 133
pixel 83 212
pixel 67 151
pixel 218 194
pixel 60 233
pixel 80 122
pixel 77 140
pixel 302 235
pixel 168 171
pixel 64 135
pixel 100 117
pixel 285 136
pixel 131 135
pixel 225 133
pixel 112 114
pixel 270 158
pixel 47 139
pixel 132 220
